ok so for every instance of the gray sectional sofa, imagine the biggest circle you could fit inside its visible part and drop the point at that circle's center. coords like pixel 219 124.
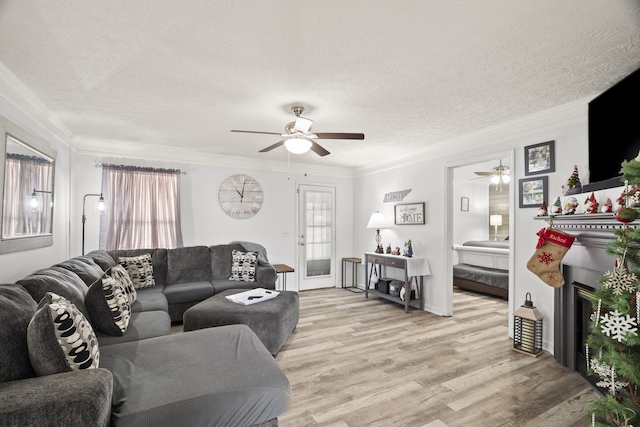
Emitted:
pixel 222 376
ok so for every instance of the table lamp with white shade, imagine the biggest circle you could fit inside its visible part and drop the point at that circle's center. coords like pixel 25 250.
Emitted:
pixel 496 221
pixel 377 222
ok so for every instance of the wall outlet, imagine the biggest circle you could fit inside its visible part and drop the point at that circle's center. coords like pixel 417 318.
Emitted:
pixel 284 234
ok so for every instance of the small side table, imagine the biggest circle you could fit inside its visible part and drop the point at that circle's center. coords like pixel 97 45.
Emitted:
pixel 354 271
pixel 283 269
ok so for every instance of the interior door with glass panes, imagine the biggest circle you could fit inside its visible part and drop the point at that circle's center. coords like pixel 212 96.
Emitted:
pixel 316 237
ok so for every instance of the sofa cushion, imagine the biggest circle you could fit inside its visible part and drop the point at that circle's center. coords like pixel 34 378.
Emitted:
pixel 140 270
pixel 144 325
pixel 221 260
pixel 188 292
pixel 84 267
pixel 108 306
pixel 58 280
pixel 102 258
pixel 243 266
pixel 120 274
pixel 16 310
pixel 149 301
pixel 235 384
pixel 158 260
pixel 189 264
pixel 60 338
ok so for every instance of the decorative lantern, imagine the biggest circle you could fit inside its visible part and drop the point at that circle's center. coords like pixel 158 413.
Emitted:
pixel 527 329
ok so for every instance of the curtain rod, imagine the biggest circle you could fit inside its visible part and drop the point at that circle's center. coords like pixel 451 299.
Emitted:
pixel 143 168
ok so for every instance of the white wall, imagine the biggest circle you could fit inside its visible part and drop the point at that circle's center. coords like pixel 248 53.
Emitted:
pixel 16 265
pixel 427 179
pixel 205 223
pixel 471 225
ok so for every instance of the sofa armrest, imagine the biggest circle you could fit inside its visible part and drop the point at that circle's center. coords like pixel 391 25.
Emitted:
pixel 266 276
pixel 77 398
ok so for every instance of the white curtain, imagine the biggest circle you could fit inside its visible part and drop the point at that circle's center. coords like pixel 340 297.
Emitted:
pixel 24 174
pixel 142 208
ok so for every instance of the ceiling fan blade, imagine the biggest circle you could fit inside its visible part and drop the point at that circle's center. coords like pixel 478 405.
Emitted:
pixel 255 131
pixel 337 135
pixel 318 149
pixel 271 147
pixel 485 173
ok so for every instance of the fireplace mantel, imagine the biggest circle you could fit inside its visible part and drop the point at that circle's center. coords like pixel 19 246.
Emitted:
pixel 599 223
pixel 592 230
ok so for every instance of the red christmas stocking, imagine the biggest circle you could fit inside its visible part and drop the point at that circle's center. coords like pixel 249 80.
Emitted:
pixel 551 248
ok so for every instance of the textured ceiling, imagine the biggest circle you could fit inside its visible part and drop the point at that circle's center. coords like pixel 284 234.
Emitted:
pixel 182 74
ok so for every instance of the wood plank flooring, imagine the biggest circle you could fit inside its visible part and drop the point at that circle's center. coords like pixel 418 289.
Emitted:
pixel 364 362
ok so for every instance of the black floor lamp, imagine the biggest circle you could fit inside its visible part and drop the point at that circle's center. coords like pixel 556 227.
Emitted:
pixel 84 217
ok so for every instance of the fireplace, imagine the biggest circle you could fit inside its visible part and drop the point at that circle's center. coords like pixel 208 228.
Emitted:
pixel 583 266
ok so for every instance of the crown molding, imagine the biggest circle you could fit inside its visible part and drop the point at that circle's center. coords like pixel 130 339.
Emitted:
pixel 16 93
pixel 563 115
pixel 144 151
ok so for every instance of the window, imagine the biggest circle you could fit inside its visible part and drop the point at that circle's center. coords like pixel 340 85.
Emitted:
pixel 142 208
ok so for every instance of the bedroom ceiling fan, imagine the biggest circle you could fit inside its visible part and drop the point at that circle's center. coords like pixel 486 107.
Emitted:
pixel 499 175
pixel 299 139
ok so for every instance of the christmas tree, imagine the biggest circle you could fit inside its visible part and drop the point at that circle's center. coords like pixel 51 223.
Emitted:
pixel 613 345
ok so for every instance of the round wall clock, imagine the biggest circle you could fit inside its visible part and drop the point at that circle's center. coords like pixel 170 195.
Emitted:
pixel 240 196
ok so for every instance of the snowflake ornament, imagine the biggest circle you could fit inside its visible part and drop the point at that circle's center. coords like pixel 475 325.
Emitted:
pixel 616 325
pixel 545 258
pixel 620 280
pixel 607 375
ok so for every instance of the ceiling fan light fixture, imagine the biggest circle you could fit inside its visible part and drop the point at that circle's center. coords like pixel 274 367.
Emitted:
pixel 506 179
pixel 495 179
pixel 303 124
pixel 297 145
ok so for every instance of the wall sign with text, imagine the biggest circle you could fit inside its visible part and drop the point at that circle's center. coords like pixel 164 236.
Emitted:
pixel 409 213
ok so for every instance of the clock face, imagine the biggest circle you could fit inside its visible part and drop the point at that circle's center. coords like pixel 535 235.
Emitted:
pixel 240 196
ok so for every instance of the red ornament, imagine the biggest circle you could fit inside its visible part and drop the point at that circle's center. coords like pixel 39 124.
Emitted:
pixel 625 215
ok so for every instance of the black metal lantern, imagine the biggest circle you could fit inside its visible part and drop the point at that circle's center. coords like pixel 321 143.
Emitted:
pixel 527 328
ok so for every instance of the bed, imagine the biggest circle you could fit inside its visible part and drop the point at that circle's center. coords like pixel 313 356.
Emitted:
pixel 483 266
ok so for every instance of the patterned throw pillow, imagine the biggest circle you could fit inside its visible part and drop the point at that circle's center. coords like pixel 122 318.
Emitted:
pixel 108 306
pixel 140 270
pixel 119 273
pixel 60 339
pixel 243 267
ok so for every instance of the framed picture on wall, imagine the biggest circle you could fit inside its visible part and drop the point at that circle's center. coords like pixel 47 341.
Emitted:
pixel 539 158
pixel 409 213
pixel 532 191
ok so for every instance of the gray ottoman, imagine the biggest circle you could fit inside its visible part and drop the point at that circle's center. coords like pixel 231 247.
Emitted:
pixel 272 320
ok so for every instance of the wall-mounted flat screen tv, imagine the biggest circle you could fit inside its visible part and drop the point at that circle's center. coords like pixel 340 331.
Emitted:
pixel 614 132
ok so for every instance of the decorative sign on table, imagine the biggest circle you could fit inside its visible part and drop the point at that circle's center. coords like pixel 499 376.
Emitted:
pixel 396 196
pixel 410 213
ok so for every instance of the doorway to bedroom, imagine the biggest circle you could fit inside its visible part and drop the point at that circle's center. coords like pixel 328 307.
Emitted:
pixel 481 213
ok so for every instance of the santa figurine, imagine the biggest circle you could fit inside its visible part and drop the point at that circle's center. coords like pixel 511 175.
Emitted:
pixel 570 206
pixel 557 207
pixel 592 204
pixel 607 207
pixel 543 209
pixel 630 197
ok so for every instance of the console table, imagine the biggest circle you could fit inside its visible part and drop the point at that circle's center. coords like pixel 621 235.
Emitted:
pixel 414 267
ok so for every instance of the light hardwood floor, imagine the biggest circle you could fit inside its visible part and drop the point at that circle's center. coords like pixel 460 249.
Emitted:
pixel 364 362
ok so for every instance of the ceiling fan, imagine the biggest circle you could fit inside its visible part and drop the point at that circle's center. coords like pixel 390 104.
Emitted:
pixel 298 137
pixel 499 175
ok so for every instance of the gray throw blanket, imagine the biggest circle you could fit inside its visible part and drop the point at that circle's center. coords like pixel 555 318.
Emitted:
pixel 255 247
